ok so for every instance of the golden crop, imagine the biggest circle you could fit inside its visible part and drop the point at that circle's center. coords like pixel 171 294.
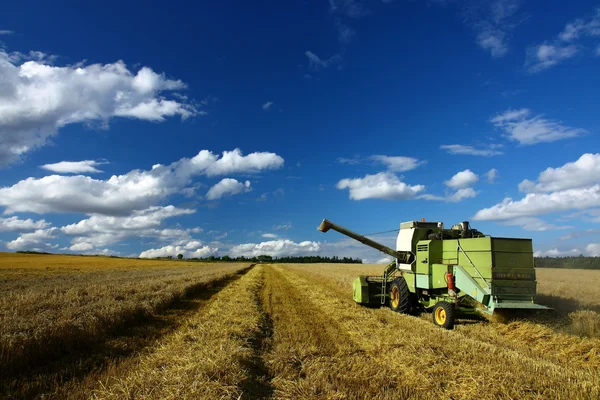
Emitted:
pixel 289 331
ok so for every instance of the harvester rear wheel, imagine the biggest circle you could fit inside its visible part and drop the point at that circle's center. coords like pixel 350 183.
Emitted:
pixel 400 297
pixel 444 314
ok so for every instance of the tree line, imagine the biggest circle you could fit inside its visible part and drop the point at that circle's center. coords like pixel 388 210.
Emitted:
pixel 571 262
pixel 287 259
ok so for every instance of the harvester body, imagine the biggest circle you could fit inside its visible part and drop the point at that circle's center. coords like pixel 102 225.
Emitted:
pixel 458 266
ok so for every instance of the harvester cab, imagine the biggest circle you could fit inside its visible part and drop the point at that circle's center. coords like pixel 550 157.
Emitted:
pixel 448 271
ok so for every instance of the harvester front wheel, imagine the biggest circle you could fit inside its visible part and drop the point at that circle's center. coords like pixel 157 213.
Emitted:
pixel 444 314
pixel 400 297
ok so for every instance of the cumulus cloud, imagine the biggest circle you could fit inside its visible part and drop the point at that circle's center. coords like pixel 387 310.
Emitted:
pixel 593 249
pixel 384 185
pixel 557 253
pixel 491 175
pixel 267 105
pixel 102 230
pixel 83 246
pixel 38 99
pixel 135 190
pixel 74 167
pixel 583 172
pixel 542 203
pixel 275 248
pixel 520 126
pixel 227 187
pixel 573 186
pixel 472 151
pixel 461 194
pixel 37 241
pixel 462 179
pixel 550 53
pixel 398 163
pixel 269 236
pixel 317 63
pixel 14 224
pixel 173 251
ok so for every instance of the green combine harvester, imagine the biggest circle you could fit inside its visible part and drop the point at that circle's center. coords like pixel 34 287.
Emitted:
pixel 448 271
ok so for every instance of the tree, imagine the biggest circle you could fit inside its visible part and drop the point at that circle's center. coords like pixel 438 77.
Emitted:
pixel 179 256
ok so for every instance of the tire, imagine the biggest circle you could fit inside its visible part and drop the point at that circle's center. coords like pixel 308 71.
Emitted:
pixel 444 314
pixel 400 300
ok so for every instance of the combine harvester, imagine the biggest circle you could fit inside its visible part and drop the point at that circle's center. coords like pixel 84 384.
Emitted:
pixel 448 271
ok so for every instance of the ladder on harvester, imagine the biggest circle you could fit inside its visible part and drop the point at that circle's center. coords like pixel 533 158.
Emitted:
pixel 388 273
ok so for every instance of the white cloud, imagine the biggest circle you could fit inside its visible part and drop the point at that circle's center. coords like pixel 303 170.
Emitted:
pixel 581 27
pixel 267 105
pixel 284 226
pixel 135 190
pixel 557 253
pixel 542 203
pixel 269 236
pixel 83 246
pixel 384 185
pixel 173 251
pixel 101 230
pixel 384 260
pixel 491 175
pixel 549 54
pixel 275 248
pixel 534 224
pixel 37 241
pixel 519 126
pixel 461 194
pixel 546 55
pixel 227 187
pixel 593 249
pixel 14 224
pixel 493 40
pixel 397 163
pixel 6 32
pixel 38 99
pixel 493 22
pixel 74 167
pixel 318 63
pixel 583 172
pixel 471 151
pixel 462 180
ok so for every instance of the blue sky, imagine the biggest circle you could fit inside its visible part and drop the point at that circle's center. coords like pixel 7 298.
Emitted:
pixel 235 127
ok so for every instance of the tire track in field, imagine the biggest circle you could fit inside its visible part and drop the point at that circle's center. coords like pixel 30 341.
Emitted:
pixel 312 356
pixel 444 363
pixel 75 376
pixel 259 386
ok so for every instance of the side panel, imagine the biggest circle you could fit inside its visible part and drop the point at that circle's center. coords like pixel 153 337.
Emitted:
pixel 438 276
pixel 361 290
pixel 422 281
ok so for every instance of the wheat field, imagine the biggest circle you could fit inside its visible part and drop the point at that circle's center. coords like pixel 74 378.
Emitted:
pixel 280 331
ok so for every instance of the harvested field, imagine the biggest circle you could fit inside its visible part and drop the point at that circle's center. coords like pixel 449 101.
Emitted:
pixel 292 331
